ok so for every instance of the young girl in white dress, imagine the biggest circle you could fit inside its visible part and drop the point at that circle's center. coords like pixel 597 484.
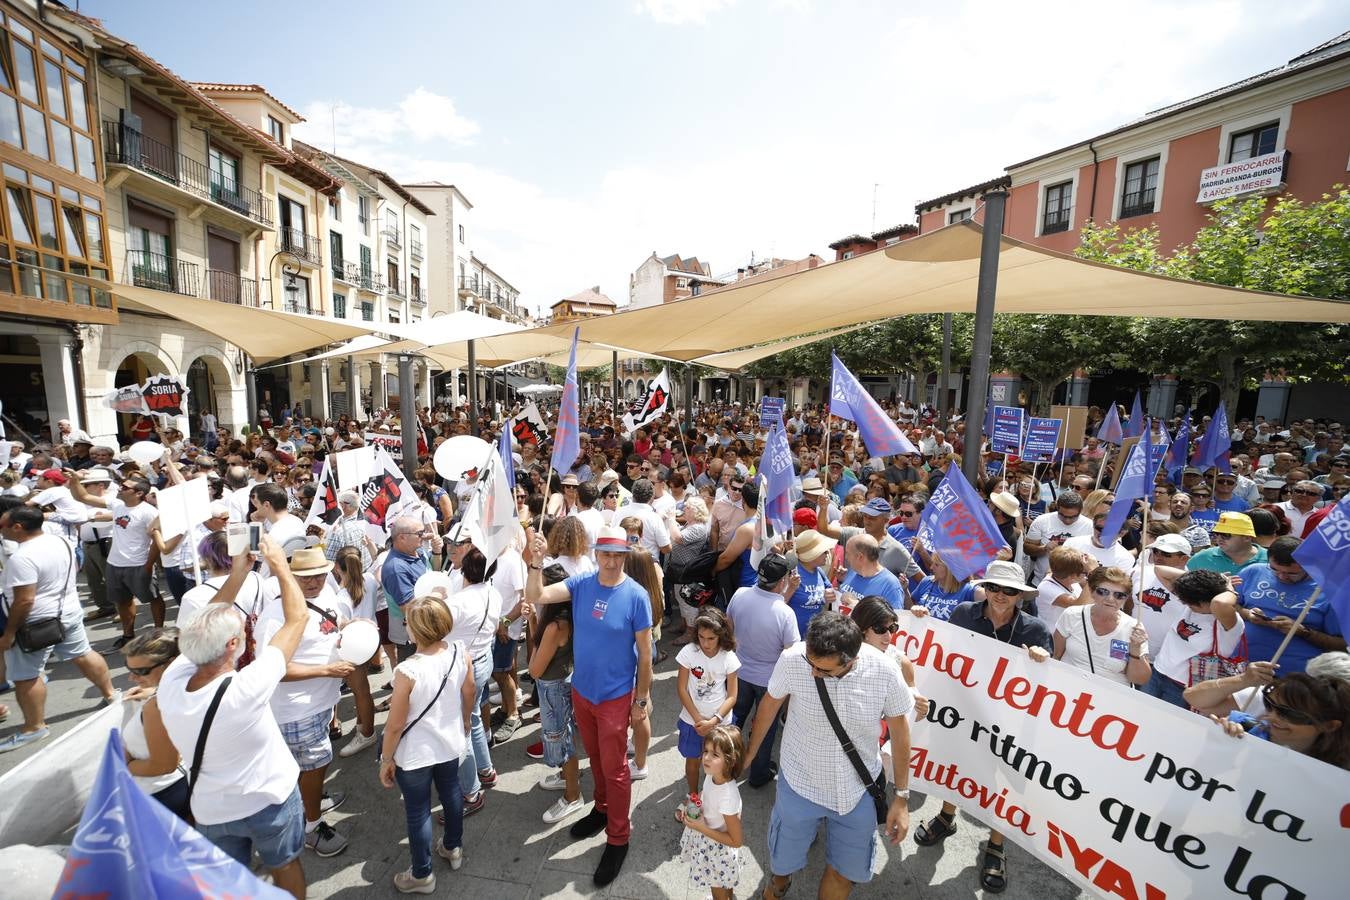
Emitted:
pixel 712 841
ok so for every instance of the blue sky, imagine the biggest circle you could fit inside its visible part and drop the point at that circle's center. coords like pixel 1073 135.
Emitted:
pixel 590 133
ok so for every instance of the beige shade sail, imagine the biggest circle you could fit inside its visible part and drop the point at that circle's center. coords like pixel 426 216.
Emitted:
pixel 936 272
pixel 734 360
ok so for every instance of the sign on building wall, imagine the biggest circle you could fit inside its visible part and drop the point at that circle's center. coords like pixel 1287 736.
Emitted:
pixel 1260 173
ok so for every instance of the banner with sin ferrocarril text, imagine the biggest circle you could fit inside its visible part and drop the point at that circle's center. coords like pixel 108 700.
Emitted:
pixel 1126 795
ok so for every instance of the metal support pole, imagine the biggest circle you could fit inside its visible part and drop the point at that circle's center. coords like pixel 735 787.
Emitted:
pixel 473 389
pixel 689 399
pixel 353 390
pixel 944 395
pixel 614 383
pixel 251 389
pixel 407 414
pixel 985 294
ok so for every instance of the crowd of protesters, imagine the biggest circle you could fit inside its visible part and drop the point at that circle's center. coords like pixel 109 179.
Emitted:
pixel 231 722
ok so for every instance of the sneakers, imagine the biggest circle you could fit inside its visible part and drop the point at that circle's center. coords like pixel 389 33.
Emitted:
pixel 553 782
pixel 535 750
pixel 487 778
pixel 498 717
pixel 635 773
pixel 474 804
pixel 455 857
pixel 325 841
pixel 96 614
pixel 358 743
pixel 122 642
pixel 19 738
pixel 611 861
pixel 407 883
pixel 331 801
pixel 561 810
pixel 589 825
pixel 506 730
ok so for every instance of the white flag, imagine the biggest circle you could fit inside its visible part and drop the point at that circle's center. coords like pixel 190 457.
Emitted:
pixel 651 404
pixel 528 426
pixel 491 517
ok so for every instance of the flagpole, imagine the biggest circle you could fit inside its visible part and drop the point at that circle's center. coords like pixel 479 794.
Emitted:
pixel 1106 455
pixel 823 467
pixel 1289 636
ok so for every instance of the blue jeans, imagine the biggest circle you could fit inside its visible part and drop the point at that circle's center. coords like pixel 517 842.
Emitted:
pixel 557 721
pixel 276 832
pixel 748 697
pixel 416 787
pixel 1164 688
pixel 480 757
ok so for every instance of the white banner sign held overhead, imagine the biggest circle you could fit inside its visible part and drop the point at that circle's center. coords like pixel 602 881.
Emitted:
pixel 1126 795
pixel 183 505
pixel 354 467
pixel 650 405
pixel 392 444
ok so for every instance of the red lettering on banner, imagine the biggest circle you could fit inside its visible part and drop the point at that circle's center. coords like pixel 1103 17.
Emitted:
pixel 1108 732
pixel 950 777
pixel 956 666
pixel 1111 878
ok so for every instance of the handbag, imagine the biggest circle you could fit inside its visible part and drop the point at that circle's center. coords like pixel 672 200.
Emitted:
pixel 39 634
pixel 877 787
pixel 1206 666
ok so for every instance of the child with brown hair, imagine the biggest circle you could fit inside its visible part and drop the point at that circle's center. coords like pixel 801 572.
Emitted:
pixel 712 839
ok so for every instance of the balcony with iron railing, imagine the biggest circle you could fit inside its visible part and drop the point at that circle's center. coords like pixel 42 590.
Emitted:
pixel 468 284
pixel 1137 203
pixel 397 289
pixel 392 237
pixel 306 307
pixel 1055 221
pixel 125 146
pixel 364 279
pixel 229 287
pixel 159 272
pixel 340 269
pixel 415 249
pixel 418 296
pixel 304 247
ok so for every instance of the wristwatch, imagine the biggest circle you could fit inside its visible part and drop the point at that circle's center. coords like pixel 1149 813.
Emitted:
pixel 902 793
pixel 640 703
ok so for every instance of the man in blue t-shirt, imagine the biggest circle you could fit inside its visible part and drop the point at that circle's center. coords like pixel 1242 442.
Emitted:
pixel 404 565
pixel 866 576
pixel 611 679
pixel 1271 595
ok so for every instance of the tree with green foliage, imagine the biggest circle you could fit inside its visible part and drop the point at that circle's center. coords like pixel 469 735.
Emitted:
pixel 1288 247
pixel 1046 349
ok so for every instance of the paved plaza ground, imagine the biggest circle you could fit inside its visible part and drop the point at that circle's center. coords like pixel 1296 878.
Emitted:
pixel 510 853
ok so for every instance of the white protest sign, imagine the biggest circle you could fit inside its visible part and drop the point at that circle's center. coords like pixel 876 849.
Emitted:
pixel 392 444
pixel 354 467
pixel 182 506
pixel 1124 794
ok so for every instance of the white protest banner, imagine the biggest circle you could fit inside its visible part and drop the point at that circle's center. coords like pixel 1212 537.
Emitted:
pixel 528 426
pixel 183 505
pixel 650 405
pixel 384 496
pixel 354 467
pixel 126 399
pixel 1124 794
pixel 392 443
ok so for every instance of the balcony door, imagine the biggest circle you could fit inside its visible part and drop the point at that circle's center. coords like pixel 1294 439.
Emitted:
pixel 293 227
pixel 223 272
pixel 157 130
pixel 150 249
pixel 225 179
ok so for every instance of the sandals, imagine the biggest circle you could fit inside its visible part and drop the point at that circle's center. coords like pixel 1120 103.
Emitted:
pixel 382 706
pixel 935 830
pixel 994 868
pixel 771 894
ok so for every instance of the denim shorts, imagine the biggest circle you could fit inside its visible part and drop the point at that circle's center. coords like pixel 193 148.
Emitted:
pixel 849 839
pixel 504 654
pixel 556 722
pixel 277 832
pixel 691 742
pixel 308 740
pixel 23 666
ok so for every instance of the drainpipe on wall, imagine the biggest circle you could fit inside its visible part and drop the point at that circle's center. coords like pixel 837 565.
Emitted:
pixel 1092 203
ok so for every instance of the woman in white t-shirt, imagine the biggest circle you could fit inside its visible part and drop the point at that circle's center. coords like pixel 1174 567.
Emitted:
pixel 425 737
pixel 358 590
pixel 151 757
pixel 570 547
pixel 1204 622
pixel 1099 638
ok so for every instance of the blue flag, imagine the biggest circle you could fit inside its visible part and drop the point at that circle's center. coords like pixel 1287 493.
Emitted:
pixel 848 400
pixel 1325 553
pixel 1110 430
pixel 1215 443
pixel 776 468
pixel 1178 455
pixel 508 462
pixel 1135 426
pixel 1136 483
pixel 567 436
pixel 957 524
pixel 129 845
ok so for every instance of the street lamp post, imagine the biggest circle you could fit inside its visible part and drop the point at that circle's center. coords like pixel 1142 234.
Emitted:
pixel 985 293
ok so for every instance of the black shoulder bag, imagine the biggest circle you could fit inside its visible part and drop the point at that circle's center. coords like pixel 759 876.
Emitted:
pixel 379 756
pixel 876 788
pixel 35 635
pixel 201 736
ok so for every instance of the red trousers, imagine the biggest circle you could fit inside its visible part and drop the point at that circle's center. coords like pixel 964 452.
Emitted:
pixel 604 733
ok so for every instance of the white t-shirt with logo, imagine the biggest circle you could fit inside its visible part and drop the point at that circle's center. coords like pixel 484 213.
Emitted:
pixel 1153 603
pixel 48 563
pixel 131 533
pixel 1045 529
pixel 707 684
pixel 246 765
pixel 296 700
pixel 1110 652
pixel 1114 555
pixel 1189 633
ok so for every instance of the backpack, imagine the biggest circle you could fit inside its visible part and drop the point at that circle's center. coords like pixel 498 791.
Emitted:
pixel 691 562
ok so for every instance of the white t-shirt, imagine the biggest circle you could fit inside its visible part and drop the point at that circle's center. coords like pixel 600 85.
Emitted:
pixel 370 591
pixel 48 563
pixel 1110 653
pixel 509 583
pixel 246 765
pixel 707 684
pixel 1153 603
pixel 572 565
pixel 663 505
pixel 238 501
pixel 1046 592
pixel 592 520
pixel 1045 529
pixel 248 601
pixel 654 533
pixel 439 735
pixel 131 533
pixel 296 700
pixel 1188 633
pixel 1114 555
pixel 69 511
pixel 719 801
pixel 92 530
pixel 475 610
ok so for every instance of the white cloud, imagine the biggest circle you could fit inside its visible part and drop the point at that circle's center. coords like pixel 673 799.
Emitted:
pixel 681 12
pixel 420 116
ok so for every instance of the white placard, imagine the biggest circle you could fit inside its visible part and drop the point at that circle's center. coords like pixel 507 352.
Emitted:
pixel 182 506
pixel 1260 173
pixel 354 467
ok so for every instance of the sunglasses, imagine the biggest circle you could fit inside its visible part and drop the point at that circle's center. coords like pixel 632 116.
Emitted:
pixel 1290 715
pixel 1003 589
pixel 1107 593
pixel 1227 481
pixel 144 671
pixel 906 513
pixel 886 629
pixel 734 487
pixel 1304 492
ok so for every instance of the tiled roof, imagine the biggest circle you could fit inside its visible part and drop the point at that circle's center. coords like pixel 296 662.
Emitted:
pixel 211 87
pixel 850 239
pixel 590 297
pixel 976 190
pixel 690 266
pixel 894 231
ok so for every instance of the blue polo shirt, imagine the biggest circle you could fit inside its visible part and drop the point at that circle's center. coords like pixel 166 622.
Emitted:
pixel 883 584
pixel 605 622
pixel 399 576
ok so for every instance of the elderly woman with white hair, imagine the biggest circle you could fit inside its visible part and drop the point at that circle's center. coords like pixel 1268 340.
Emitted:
pixel 242 778
pixel 687 544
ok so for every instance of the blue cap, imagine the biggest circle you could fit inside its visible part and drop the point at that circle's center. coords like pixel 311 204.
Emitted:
pixel 876 507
